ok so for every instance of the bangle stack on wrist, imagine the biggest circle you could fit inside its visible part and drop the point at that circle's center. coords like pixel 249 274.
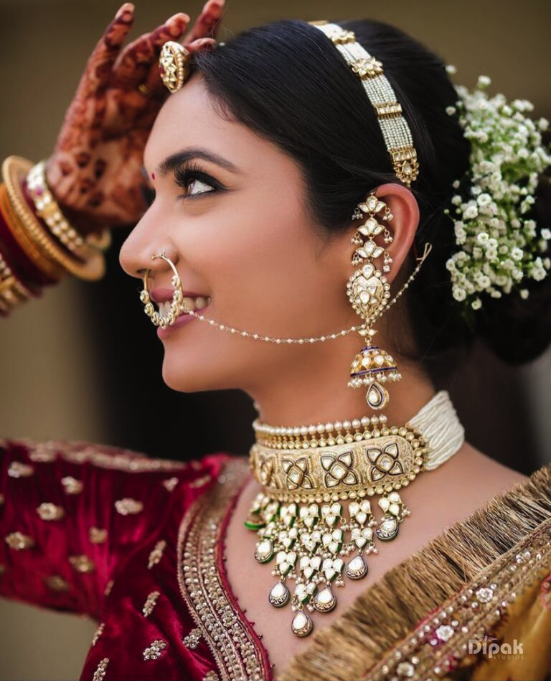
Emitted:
pixel 38 246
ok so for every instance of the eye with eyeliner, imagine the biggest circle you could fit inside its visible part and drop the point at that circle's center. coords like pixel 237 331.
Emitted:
pixel 187 172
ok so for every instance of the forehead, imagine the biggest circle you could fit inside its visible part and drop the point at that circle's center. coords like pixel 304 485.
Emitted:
pixel 189 118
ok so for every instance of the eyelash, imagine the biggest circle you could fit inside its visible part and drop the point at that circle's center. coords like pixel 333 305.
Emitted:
pixel 191 171
pixel 182 176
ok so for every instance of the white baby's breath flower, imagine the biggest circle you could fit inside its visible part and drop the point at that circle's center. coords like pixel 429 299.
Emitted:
pixel 459 293
pixel 483 81
pixel 524 293
pixel 497 247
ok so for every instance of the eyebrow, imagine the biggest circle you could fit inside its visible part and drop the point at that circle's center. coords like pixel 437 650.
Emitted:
pixel 172 162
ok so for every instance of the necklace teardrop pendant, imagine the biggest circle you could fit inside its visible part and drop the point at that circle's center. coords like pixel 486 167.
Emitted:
pixel 302 624
pixel 388 528
pixel 279 595
pixel 325 600
pixel 356 568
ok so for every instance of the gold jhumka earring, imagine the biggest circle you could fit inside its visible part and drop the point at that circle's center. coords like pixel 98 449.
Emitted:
pixel 369 291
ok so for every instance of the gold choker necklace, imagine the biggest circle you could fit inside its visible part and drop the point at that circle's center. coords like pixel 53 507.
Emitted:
pixel 307 471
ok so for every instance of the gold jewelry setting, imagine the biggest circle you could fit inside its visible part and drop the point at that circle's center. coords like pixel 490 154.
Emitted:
pixel 299 516
pixel 393 125
pixel 176 306
pixel 174 65
pixel 305 530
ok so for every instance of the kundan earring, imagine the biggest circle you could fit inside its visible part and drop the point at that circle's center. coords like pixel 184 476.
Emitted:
pixel 369 292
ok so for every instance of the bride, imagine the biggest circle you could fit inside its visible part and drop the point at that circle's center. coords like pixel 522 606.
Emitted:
pixel 316 197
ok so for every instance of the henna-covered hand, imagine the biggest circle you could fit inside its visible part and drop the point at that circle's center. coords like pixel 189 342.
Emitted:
pixel 95 169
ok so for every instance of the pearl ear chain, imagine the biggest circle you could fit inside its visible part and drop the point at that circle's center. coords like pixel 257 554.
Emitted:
pixel 306 472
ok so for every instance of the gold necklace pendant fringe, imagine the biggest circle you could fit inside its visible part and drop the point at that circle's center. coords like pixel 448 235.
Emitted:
pixel 301 523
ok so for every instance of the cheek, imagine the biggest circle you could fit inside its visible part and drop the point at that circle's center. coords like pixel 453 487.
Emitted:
pixel 261 264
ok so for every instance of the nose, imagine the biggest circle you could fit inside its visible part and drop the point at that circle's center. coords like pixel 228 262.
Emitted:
pixel 143 242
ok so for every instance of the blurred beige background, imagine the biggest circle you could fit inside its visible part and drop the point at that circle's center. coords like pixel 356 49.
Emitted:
pixel 50 387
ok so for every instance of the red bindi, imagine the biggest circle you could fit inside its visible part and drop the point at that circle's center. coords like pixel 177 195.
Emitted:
pixel 152 176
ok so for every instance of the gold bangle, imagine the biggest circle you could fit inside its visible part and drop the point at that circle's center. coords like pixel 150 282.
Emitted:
pixel 14 172
pixel 50 212
pixel 12 291
pixel 38 258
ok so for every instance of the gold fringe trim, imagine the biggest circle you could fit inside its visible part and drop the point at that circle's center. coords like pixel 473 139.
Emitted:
pixel 387 611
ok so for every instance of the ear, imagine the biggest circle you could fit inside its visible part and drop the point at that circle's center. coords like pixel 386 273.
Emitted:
pixel 403 226
pixel 405 211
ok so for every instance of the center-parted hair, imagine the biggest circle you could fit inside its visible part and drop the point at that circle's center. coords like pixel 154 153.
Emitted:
pixel 290 85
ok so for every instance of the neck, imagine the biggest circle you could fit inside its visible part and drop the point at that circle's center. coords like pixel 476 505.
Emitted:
pixel 318 398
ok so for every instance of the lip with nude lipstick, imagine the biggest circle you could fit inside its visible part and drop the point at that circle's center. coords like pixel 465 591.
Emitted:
pixel 163 298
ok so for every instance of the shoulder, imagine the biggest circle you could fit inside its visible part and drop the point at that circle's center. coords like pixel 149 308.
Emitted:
pixel 481 476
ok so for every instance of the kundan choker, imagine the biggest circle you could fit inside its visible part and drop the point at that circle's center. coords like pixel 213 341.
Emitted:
pixel 307 472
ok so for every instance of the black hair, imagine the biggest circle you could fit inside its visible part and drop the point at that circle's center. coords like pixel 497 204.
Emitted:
pixel 285 82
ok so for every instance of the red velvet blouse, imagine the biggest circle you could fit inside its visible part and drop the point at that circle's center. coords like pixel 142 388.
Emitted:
pixel 113 534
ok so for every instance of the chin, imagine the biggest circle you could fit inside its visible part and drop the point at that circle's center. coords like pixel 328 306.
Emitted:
pixel 190 376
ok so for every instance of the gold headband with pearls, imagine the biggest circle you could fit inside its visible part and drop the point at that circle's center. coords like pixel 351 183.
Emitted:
pixel 394 127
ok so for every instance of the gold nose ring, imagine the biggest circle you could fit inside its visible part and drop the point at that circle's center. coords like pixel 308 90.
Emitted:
pixel 176 307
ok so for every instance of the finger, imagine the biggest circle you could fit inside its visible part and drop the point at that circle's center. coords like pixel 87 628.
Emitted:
pixel 207 23
pixel 154 85
pixel 99 66
pixel 134 63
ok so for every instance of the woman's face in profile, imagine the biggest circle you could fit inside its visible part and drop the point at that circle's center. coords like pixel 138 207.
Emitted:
pixel 240 234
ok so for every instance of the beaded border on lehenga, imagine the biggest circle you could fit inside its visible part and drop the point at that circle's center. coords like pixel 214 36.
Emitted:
pixel 444 635
pixel 236 652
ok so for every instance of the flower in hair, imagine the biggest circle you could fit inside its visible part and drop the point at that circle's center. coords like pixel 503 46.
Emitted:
pixel 499 247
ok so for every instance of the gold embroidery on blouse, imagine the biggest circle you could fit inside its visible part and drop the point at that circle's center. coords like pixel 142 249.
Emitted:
pixel 431 647
pixel 43 452
pixel 192 640
pixel 170 483
pixel 103 456
pixel 56 583
pixel 98 633
pixel 97 536
pixel 153 652
pixel 157 553
pixel 2 568
pixel 199 482
pixel 19 541
pixel 71 485
pixel 108 587
pixel 150 603
pixel 199 542
pixel 82 564
pixel 211 676
pixel 48 511
pixel 1 499
pixel 20 470
pixel 99 674
pixel 128 506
